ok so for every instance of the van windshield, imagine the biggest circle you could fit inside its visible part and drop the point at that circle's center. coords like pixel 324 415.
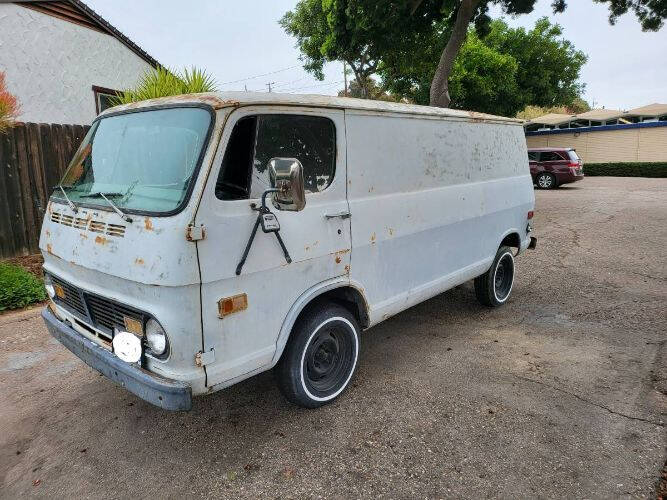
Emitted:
pixel 143 161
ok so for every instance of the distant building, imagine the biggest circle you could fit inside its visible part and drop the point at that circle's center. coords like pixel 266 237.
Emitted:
pixel 63 61
pixel 605 135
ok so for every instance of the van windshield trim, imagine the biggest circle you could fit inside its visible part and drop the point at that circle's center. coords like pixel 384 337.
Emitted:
pixel 195 172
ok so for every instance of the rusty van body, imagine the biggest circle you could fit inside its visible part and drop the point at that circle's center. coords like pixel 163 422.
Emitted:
pixel 162 270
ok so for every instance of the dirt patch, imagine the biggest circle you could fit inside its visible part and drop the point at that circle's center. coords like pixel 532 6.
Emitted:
pixel 31 263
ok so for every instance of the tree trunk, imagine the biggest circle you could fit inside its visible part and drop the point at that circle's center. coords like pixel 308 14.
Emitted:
pixel 440 85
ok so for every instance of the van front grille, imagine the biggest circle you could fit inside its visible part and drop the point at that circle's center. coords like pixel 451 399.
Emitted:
pixel 72 299
pixel 99 312
pixel 106 314
pixel 94 226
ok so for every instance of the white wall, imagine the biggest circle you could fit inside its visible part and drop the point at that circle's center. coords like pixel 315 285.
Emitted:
pixel 51 65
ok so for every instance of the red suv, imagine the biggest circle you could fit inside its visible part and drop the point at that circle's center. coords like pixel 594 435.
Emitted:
pixel 551 167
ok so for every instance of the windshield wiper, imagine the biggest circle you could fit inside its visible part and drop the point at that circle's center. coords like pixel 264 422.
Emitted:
pixel 100 194
pixel 71 204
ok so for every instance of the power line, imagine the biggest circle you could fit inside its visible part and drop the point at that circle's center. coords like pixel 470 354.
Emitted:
pixel 313 86
pixel 259 76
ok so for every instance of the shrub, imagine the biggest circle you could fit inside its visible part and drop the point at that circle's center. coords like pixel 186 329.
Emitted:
pixel 18 287
pixel 9 106
pixel 635 169
pixel 161 82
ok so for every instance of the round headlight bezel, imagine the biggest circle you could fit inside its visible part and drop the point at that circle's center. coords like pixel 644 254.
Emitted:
pixel 48 286
pixel 156 337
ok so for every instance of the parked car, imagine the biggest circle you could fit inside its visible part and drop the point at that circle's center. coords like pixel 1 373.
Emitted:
pixel 551 167
pixel 159 277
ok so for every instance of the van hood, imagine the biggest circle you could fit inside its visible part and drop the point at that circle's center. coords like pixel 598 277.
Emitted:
pixel 148 250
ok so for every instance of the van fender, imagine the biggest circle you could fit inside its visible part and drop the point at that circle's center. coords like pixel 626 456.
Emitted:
pixel 523 244
pixel 304 299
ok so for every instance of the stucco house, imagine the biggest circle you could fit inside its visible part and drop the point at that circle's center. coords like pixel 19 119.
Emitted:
pixel 63 61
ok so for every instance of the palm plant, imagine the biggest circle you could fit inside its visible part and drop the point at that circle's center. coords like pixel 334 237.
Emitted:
pixel 9 106
pixel 162 82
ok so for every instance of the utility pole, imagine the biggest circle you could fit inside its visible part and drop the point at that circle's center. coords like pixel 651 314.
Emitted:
pixel 269 85
pixel 345 76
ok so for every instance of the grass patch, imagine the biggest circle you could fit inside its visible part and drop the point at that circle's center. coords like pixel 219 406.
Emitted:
pixel 18 287
pixel 657 169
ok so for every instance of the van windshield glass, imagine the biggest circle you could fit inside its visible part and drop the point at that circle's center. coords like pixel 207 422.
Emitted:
pixel 143 160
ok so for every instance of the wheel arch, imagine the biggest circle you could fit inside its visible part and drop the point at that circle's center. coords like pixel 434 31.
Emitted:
pixel 342 291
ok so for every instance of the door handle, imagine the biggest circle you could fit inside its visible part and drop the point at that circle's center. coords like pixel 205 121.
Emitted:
pixel 342 215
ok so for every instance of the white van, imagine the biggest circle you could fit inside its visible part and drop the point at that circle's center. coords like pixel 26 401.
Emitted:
pixel 197 240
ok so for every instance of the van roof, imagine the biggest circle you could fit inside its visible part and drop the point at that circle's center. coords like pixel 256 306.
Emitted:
pixel 234 99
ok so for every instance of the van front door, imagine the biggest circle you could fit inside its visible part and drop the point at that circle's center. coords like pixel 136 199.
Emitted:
pixel 241 340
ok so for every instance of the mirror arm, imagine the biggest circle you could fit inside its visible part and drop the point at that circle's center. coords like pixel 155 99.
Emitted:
pixel 263 209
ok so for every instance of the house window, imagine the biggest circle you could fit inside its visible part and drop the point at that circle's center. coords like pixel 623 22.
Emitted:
pixel 104 98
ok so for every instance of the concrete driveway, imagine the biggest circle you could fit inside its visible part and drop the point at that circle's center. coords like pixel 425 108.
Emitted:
pixel 560 393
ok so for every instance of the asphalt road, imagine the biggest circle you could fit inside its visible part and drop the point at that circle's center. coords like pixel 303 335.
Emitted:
pixel 560 393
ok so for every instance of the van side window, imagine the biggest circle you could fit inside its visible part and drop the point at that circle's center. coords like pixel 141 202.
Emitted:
pixel 257 139
pixel 550 156
pixel 309 139
pixel 234 179
pixel 532 156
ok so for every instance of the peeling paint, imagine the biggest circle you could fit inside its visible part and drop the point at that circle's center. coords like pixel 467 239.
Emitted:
pixel 139 261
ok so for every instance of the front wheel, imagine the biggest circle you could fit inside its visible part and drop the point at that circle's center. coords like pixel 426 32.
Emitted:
pixel 493 288
pixel 320 357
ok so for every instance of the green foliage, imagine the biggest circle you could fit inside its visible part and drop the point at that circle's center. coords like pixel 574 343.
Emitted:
pixel 483 79
pixel 635 169
pixel 161 82
pixel 18 287
pixel 359 32
pixel 500 73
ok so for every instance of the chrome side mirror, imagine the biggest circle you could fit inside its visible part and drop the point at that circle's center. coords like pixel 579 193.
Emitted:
pixel 286 175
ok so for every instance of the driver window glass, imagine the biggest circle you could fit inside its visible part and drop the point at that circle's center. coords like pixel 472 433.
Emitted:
pixel 257 139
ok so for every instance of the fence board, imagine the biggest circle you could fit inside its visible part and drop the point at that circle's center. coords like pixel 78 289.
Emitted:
pixel 33 157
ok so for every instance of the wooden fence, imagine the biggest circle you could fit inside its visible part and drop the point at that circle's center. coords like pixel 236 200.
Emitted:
pixel 33 157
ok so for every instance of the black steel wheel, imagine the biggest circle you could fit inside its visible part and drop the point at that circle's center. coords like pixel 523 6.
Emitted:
pixel 320 357
pixel 494 287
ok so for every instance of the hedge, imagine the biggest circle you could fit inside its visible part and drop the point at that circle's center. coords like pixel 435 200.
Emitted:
pixel 635 169
pixel 18 287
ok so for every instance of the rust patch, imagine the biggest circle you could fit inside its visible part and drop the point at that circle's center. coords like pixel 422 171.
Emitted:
pixel 101 240
pixel 48 233
pixel 139 261
pixel 49 249
pixel 373 238
pixel 84 236
pixel 390 231
pixel 347 269
pixel 337 259
pixel 148 224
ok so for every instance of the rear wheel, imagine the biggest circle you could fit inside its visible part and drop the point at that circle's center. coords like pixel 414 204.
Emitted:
pixel 320 357
pixel 545 180
pixel 493 288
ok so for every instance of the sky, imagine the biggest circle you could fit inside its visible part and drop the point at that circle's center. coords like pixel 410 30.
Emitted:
pixel 239 41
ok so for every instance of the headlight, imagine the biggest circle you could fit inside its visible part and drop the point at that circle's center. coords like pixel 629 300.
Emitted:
pixel 48 284
pixel 156 338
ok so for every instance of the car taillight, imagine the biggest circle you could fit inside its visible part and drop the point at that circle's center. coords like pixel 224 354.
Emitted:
pixel 573 165
pixel 530 215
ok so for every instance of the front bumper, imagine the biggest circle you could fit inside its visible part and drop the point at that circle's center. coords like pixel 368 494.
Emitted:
pixel 159 391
